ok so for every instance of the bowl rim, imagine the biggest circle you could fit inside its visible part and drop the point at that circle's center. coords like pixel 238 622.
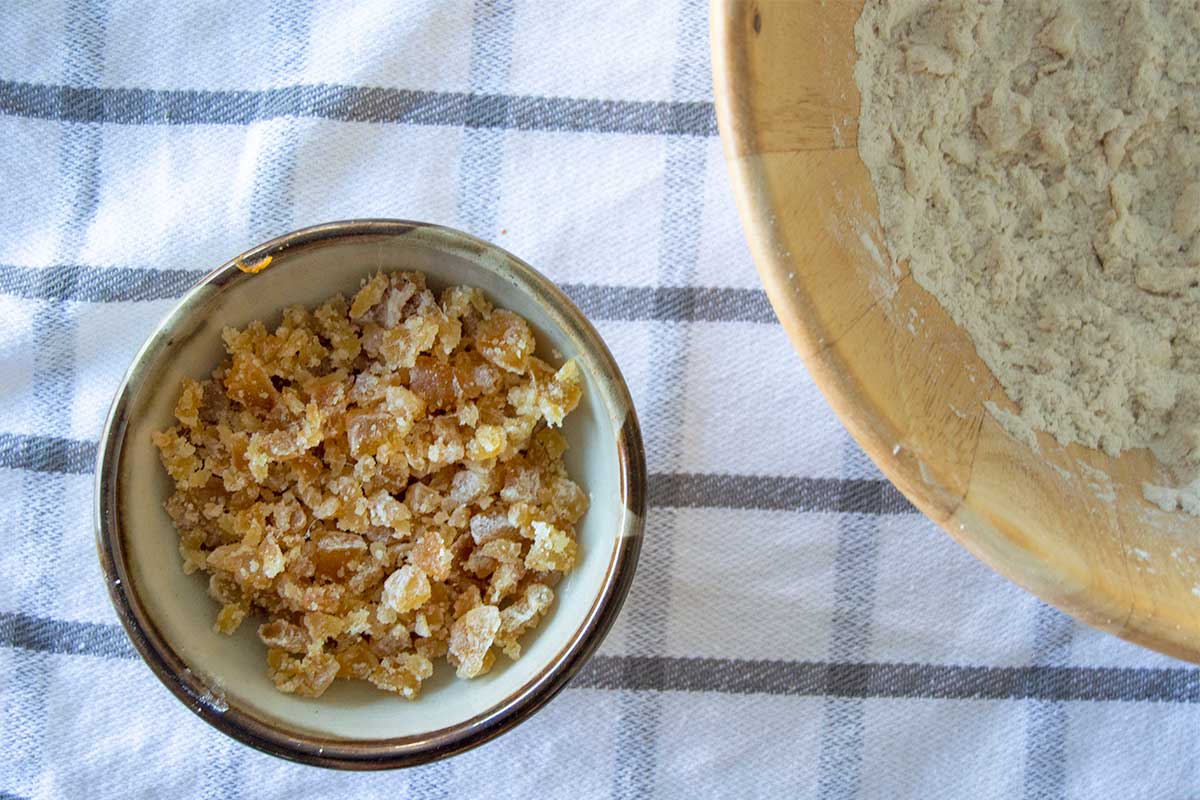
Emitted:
pixel 367 754
pixel 755 140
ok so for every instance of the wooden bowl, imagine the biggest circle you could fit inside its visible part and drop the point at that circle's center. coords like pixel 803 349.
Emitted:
pixel 1068 524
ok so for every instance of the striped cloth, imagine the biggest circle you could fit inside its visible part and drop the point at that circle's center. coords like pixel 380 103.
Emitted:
pixel 795 629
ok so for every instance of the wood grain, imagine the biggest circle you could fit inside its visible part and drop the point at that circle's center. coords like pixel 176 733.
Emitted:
pixel 1067 523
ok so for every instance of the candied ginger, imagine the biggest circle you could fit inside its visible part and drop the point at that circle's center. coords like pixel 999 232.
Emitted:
pixel 379 483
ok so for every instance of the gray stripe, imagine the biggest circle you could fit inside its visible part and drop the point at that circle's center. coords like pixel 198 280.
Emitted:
pixel 896 681
pixel 481 165
pixel 745 676
pixel 775 493
pixel 648 614
pixel 1045 750
pixel 635 772
pixel 274 184
pixel 59 636
pixel 840 756
pixel 41 511
pixel 672 303
pixel 355 104
pixel 54 330
pixel 49 454
pixel 46 454
pixel 1046 721
pixel 72 282
pixel 290 21
pixel 37 522
pixel 274 175
pixel 271 213
pixel 76 282
pixel 855 569
pixel 856 566
pixel 479 190
pixel 479 181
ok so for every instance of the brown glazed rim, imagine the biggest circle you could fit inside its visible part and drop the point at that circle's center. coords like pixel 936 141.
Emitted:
pixel 405 751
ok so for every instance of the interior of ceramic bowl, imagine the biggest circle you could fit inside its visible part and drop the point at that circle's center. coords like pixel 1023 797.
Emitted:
pixel 178 607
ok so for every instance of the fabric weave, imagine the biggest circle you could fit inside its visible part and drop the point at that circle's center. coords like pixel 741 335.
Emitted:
pixel 796 628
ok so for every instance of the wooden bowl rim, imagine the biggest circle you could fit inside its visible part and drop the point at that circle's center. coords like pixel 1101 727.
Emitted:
pixel 1104 609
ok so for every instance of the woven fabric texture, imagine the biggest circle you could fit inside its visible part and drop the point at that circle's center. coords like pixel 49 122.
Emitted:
pixel 796 629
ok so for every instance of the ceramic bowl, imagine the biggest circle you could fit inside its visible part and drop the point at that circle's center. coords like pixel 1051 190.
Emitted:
pixel 169 615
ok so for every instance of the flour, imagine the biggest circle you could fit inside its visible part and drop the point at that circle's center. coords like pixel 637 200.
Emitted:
pixel 1185 498
pixel 1037 163
pixel 1015 424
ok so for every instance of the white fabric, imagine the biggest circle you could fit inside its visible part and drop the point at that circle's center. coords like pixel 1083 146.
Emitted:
pixel 795 628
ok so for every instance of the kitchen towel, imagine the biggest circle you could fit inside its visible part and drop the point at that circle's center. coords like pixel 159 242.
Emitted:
pixel 796 629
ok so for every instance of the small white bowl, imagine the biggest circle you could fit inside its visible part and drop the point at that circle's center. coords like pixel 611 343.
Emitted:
pixel 169 615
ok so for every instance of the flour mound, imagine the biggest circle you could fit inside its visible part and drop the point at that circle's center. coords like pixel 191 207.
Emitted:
pixel 1037 163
